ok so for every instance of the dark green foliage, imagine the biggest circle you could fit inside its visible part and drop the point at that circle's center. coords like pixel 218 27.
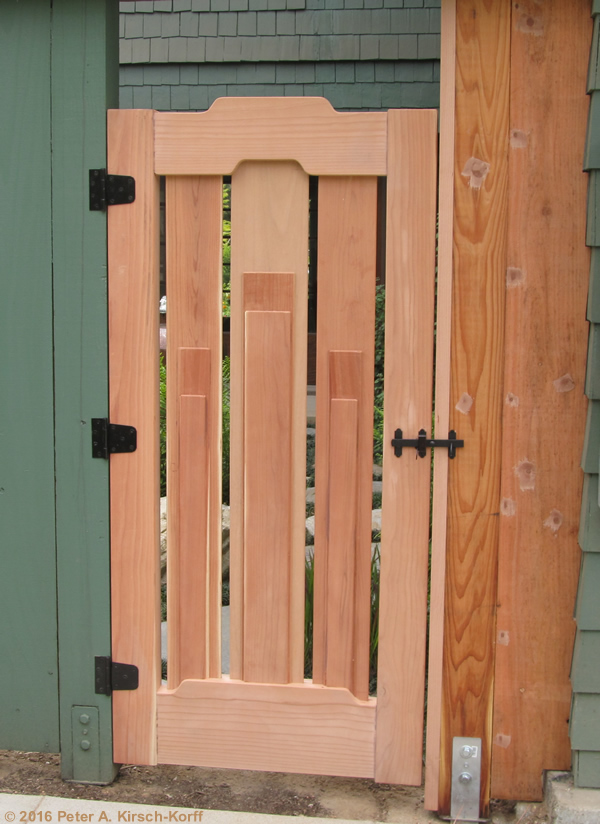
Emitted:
pixel 379 362
pixel 162 371
pixel 226 404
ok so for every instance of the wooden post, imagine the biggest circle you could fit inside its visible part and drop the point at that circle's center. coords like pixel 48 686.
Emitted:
pixel 480 211
pixel 544 402
pixel 84 85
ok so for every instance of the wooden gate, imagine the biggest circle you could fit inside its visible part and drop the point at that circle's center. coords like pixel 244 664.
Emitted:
pixel 264 715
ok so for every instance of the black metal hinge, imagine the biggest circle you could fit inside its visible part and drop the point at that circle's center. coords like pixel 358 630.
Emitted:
pixel 111 676
pixel 112 438
pixel 109 190
pixel 422 443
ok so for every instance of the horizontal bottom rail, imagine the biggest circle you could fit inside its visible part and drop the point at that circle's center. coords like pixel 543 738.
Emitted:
pixel 296 728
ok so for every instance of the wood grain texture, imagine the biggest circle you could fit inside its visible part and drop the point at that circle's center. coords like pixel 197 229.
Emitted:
pixel 442 404
pixel 308 130
pixel 410 276
pixel 267 496
pixel 345 356
pixel 269 223
pixel 480 214
pixel 193 249
pixel 292 728
pixel 544 373
pixel 188 554
pixel 133 265
pixel 194 285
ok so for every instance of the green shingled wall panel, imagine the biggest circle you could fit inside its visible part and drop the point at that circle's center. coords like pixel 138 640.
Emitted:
pixel 591 443
pixel 592 148
pixel 589 525
pixel 593 307
pixel 585 722
pixel 587 612
pixel 593 210
pixel 592 378
pixel 585 670
pixel 373 85
pixel 586 769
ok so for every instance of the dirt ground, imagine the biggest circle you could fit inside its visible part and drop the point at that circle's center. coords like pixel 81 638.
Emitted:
pixel 238 790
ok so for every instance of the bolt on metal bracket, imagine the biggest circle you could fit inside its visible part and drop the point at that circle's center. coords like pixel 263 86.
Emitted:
pixel 466 779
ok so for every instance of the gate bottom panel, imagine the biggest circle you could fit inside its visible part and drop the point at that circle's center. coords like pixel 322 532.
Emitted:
pixel 296 728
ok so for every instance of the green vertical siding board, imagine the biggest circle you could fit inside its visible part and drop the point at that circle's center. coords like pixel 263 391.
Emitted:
pixel 585 722
pixel 587 611
pixel 592 378
pixel 28 641
pixel 83 86
pixel 586 770
pixel 589 524
pixel 585 669
pixel 593 306
pixel 591 441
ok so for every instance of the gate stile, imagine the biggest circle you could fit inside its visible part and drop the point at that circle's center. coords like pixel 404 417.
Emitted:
pixel 264 715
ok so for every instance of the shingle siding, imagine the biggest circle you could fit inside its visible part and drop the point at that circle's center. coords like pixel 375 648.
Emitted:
pixel 347 85
pixel 397 29
pixel 585 670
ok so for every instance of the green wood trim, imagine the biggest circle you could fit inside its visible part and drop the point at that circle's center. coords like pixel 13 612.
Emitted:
pixel 85 42
pixel 587 612
pixel 592 378
pixel 585 669
pixel 585 722
pixel 591 443
pixel 28 640
pixel 586 769
pixel 589 524
pixel 593 79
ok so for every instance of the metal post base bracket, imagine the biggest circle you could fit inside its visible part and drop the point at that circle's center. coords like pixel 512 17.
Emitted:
pixel 466 779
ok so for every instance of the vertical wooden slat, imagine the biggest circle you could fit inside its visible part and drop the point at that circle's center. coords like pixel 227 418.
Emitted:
pixel 188 561
pixel 267 496
pixel 194 293
pixel 411 194
pixel 442 404
pixel 269 238
pixel 345 355
pixel 133 264
pixel 341 601
pixel 546 337
pixel 191 641
pixel 480 202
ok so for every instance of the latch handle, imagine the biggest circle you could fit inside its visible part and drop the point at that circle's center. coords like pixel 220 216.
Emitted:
pixel 422 443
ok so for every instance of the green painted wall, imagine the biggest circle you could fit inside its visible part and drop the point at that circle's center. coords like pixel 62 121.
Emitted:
pixel 59 65
pixel 28 639
pixel 84 85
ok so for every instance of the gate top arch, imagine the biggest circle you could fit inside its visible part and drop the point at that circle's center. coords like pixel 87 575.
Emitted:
pixel 305 129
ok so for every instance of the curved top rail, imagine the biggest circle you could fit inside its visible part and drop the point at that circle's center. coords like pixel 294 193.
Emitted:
pixel 305 129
